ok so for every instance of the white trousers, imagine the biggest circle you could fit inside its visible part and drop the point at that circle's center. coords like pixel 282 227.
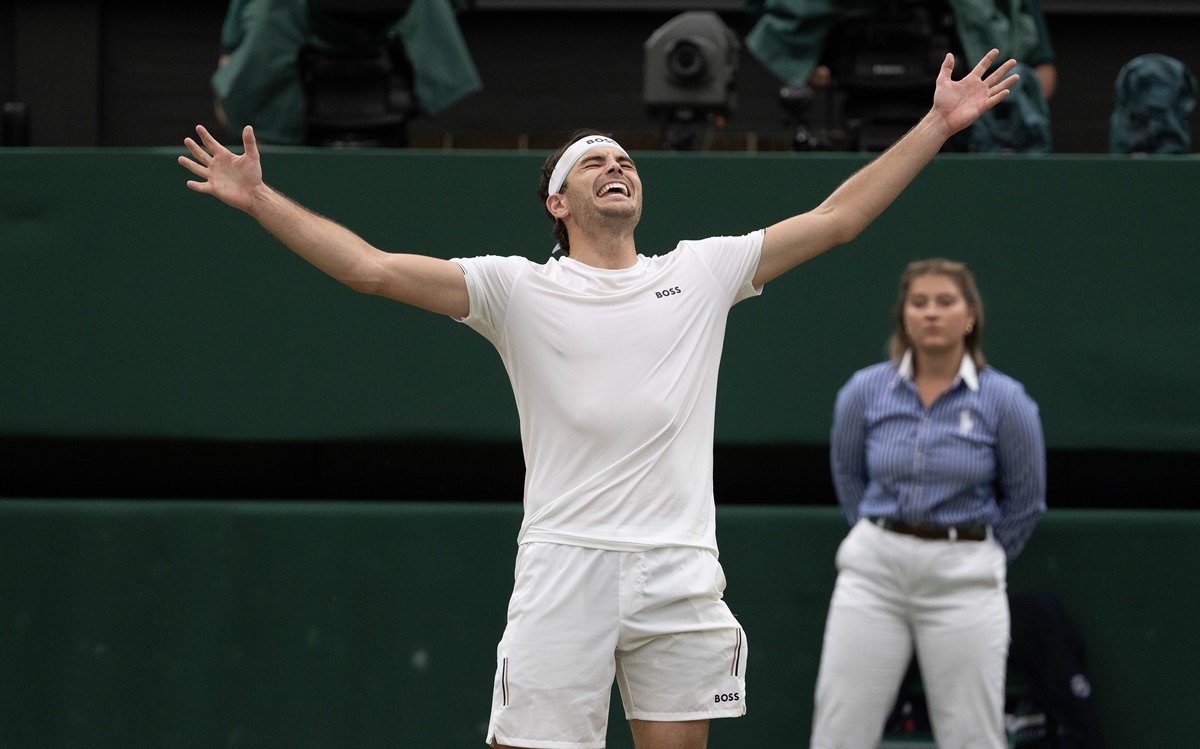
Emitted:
pixel 895 593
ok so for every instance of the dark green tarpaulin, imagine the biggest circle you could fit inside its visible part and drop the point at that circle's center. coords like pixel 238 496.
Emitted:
pixel 260 83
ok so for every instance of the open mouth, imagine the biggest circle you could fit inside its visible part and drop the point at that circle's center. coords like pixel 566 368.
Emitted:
pixel 611 188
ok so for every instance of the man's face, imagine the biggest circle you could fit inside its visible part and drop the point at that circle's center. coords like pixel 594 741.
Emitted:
pixel 605 182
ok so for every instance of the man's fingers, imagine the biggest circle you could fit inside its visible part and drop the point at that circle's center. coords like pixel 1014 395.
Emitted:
pixel 1003 87
pixel 197 169
pixel 999 73
pixel 209 142
pixel 198 153
pixel 249 142
pixel 997 97
pixel 985 63
pixel 947 68
pixel 203 187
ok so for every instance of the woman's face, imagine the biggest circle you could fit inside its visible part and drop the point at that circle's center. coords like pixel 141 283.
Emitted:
pixel 936 315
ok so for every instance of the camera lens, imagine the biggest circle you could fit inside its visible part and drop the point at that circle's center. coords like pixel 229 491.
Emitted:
pixel 686 62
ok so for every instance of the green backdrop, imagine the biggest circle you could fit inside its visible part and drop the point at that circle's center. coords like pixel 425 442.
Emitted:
pixel 180 625
pixel 133 307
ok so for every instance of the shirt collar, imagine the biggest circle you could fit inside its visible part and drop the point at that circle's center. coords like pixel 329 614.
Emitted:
pixel 966 371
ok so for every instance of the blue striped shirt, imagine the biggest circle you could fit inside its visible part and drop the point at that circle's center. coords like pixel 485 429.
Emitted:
pixel 976 455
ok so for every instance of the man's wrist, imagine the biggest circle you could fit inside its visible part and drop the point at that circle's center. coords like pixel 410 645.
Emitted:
pixel 935 124
pixel 262 198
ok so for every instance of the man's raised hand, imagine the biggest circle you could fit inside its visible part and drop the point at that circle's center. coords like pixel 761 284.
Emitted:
pixel 962 102
pixel 227 176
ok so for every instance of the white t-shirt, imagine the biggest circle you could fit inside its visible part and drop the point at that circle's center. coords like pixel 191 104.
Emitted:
pixel 615 378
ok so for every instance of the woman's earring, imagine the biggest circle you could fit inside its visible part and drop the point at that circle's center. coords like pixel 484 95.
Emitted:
pixel 970 327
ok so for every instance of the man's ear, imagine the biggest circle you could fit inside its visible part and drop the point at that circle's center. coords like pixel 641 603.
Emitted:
pixel 556 203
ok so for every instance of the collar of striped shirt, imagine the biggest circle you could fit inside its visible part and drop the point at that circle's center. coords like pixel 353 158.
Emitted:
pixel 966 371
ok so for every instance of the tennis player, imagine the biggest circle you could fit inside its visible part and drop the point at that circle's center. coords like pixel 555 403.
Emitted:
pixel 613 358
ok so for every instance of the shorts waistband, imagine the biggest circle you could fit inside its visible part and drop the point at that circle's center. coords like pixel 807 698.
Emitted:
pixel 974 532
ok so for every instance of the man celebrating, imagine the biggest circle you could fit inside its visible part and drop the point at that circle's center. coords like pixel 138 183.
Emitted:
pixel 613 358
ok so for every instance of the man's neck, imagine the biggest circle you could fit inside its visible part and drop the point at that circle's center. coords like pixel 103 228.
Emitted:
pixel 609 253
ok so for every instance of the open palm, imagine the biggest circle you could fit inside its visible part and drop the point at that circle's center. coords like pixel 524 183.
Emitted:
pixel 227 176
pixel 962 102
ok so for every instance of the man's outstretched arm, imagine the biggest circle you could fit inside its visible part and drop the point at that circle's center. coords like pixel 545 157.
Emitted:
pixel 861 198
pixel 426 282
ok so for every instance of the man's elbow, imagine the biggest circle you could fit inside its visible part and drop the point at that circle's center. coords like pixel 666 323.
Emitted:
pixel 363 285
pixel 841 229
pixel 365 278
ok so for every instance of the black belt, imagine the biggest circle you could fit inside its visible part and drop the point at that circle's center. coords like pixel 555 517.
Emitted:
pixel 920 530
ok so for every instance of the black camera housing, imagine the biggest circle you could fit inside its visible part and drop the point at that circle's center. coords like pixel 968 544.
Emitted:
pixel 691 64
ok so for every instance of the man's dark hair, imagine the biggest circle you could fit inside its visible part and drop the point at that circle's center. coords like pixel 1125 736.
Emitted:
pixel 559 229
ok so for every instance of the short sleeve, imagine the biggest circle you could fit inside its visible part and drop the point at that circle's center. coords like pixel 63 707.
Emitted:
pixel 733 262
pixel 490 281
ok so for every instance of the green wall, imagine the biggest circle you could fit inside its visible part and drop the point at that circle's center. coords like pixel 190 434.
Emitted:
pixel 173 625
pixel 133 307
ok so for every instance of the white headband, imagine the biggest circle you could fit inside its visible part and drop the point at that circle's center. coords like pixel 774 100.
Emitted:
pixel 572 154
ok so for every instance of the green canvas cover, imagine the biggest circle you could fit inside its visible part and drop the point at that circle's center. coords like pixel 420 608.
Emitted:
pixel 1154 96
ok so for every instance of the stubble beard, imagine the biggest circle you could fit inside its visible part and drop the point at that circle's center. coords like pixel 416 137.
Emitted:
pixel 601 220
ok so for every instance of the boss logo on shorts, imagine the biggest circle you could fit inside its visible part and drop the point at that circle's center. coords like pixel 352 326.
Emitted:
pixel 668 292
pixel 731 697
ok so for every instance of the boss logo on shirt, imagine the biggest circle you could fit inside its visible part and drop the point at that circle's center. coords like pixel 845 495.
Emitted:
pixel 731 697
pixel 668 292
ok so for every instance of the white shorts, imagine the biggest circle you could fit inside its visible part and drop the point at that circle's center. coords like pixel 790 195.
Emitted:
pixel 578 617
